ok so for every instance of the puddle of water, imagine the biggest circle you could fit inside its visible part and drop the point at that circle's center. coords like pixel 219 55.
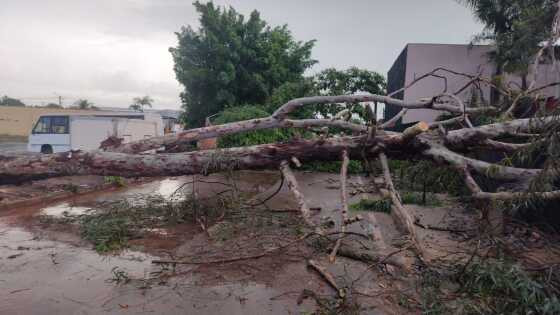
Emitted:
pixel 53 277
pixel 64 209
pixel 169 187
pixel 45 277
pixel 158 231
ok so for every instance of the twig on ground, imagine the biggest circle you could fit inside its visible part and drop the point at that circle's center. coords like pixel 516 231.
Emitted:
pixel 327 276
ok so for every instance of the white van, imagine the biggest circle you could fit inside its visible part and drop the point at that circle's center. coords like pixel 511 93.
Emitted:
pixel 65 132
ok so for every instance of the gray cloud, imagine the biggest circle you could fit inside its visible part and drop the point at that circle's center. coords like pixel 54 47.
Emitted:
pixel 110 51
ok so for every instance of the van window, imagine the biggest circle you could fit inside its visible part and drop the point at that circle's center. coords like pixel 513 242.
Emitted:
pixel 43 125
pixel 52 124
pixel 59 124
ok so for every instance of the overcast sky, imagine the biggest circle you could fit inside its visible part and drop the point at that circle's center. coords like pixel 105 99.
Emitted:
pixel 110 51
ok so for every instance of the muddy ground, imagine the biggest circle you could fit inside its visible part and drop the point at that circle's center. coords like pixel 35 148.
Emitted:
pixel 47 267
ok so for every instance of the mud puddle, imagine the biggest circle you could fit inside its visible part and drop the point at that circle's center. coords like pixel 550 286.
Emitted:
pixel 39 276
pixel 53 271
pixel 50 269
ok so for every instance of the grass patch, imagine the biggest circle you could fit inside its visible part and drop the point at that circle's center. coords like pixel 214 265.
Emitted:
pixel 117 181
pixel 379 205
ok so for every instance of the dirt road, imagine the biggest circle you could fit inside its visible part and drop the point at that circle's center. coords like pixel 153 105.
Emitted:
pixel 13 147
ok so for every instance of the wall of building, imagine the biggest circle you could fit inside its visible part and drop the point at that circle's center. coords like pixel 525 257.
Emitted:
pixel 423 58
pixel 395 81
pixel 473 60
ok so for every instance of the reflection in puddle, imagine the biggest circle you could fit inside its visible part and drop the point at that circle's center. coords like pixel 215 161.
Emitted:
pixel 158 231
pixel 64 209
pixel 169 187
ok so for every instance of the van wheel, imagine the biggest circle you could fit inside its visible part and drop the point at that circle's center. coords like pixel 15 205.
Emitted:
pixel 46 149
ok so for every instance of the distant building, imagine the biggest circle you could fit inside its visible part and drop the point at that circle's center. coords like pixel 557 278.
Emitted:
pixel 171 120
pixel 418 59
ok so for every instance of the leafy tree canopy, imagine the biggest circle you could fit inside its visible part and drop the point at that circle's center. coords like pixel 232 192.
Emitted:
pixel 232 60
pixel 517 27
pixel 351 81
pixel 8 101
pixel 245 112
pixel 53 105
pixel 84 104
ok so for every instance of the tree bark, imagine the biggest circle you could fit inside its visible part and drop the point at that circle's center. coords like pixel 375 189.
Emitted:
pixel 343 202
pixel 226 129
pixel 294 188
pixel 403 219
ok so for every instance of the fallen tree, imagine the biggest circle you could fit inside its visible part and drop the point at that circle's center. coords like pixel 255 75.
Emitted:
pixel 362 140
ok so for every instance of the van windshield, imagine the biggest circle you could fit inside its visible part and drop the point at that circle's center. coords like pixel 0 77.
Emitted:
pixel 52 124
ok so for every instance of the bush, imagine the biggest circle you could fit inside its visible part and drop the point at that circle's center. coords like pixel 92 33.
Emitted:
pixel 489 286
pixel 107 231
pixel 252 137
pixel 414 197
pixel 505 289
pixel 414 175
pixel 381 205
pixel 354 167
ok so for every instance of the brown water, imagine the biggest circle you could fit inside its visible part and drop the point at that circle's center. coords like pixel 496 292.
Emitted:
pixel 54 272
pixel 43 277
pixel 44 272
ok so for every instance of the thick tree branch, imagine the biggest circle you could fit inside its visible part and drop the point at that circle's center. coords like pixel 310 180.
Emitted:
pixel 463 138
pixel 477 192
pixel 343 202
pixel 294 188
pixel 441 154
pixel 392 122
pixel 230 128
pixel 402 218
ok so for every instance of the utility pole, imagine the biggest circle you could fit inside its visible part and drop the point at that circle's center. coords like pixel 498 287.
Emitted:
pixel 59 99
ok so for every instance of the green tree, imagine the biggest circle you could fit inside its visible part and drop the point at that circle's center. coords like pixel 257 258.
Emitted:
pixel 328 82
pixel 516 27
pixel 84 104
pixel 53 105
pixel 245 112
pixel 351 81
pixel 138 103
pixel 8 101
pixel 291 90
pixel 231 61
